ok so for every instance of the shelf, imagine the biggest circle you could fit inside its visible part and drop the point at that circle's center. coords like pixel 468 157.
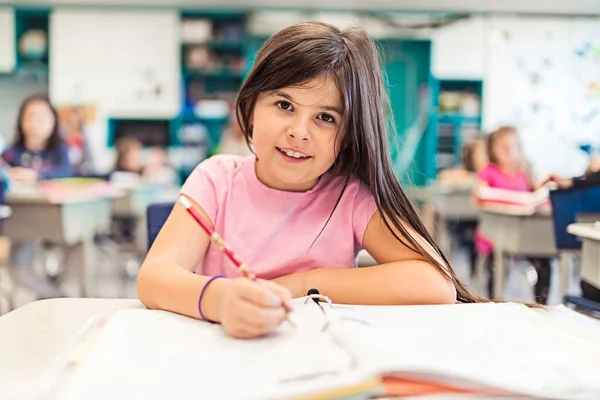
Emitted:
pixel 225 45
pixel 191 117
pixel 458 119
pixel 190 74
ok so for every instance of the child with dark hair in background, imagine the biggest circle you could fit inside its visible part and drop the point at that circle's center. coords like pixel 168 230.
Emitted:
pixel 37 153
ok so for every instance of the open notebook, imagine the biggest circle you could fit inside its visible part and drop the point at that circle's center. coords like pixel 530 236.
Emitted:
pixel 490 196
pixel 502 348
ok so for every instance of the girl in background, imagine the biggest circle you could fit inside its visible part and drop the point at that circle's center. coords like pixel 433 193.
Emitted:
pixel 37 153
pixel 507 169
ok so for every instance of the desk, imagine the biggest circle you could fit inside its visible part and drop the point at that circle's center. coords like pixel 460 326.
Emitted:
pixel 452 202
pixel 136 201
pixel 518 232
pixel 70 221
pixel 32 336
pixel 590 251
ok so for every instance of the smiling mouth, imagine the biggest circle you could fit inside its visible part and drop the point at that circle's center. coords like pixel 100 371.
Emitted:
pixel 294 154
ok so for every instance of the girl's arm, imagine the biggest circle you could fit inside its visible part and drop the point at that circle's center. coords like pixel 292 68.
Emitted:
pixel 402 276
pixel 166 281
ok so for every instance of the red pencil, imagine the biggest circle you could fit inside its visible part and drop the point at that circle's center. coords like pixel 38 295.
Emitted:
pixel 217 239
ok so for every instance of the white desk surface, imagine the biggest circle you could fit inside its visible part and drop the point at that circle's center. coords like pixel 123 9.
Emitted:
pixel 586 231
pixel 32 336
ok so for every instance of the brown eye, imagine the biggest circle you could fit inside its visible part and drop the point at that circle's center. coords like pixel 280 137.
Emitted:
pixel 327 118
pixel 284 105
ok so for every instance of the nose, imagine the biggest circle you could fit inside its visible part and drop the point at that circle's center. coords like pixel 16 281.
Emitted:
pixel 299 131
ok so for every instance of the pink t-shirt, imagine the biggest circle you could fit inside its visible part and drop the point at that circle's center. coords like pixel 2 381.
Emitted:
pixel 496 178
pixel 271 230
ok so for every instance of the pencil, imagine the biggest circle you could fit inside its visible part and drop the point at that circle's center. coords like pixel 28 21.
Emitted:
pixel 219 242
pixel 217 239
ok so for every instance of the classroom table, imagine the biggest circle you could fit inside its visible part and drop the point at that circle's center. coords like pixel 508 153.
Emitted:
pixel 135 202
pixel 34 336
pixel 70 220
pixel 590 250
pixel 518 232
pixel 453 203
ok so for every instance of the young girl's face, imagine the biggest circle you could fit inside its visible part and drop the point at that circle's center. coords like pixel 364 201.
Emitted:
pixel 294 132
pixel 507 151
pixel 37 123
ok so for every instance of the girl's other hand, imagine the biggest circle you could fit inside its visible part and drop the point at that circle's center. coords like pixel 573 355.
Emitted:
pixel 250 309
pixel 560 182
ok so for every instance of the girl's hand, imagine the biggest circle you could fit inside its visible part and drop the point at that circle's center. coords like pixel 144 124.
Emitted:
pixel 560 182
pixel 250 309
pixel 23 175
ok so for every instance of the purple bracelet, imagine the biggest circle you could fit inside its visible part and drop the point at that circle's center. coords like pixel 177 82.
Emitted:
pixel 202 295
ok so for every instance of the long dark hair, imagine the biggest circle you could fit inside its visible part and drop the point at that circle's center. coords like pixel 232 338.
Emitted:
pixel 306 51
pixel 54 141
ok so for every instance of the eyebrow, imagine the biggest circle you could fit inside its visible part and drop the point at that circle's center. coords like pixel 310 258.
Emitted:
pixel 288 97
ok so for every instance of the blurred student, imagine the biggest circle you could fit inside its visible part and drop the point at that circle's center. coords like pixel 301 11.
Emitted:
pixel 508 170
pixel 233 140
pixel 37 153
pixel 474 158
pixel 157 169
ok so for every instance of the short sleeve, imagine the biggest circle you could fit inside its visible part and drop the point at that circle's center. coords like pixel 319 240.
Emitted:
pixel 364 208
pixel 202 185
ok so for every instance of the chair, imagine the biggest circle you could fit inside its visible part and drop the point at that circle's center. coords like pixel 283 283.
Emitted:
pixel 585 306
pixel 4 213
pixel 567 204
pixel 156 215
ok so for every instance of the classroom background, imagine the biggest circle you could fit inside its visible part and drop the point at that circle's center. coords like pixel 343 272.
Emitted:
pixel 144 92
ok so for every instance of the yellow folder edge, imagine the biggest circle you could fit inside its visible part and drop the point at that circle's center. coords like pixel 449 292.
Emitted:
pixel 372 387
pixel 566 330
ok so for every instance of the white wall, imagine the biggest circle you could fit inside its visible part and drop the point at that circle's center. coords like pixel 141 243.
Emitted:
pixel 533 79
pixel 115 60
pixel 459 50
pixel 7 40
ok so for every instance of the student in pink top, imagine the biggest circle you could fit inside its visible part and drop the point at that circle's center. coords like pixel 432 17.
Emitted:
pixel 319 189
pixel 508 170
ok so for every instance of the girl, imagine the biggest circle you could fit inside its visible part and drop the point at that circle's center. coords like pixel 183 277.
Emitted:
pixel 320 188
pixel 507 170
pixel 233 140
pixel 38 153
pixel 474 159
